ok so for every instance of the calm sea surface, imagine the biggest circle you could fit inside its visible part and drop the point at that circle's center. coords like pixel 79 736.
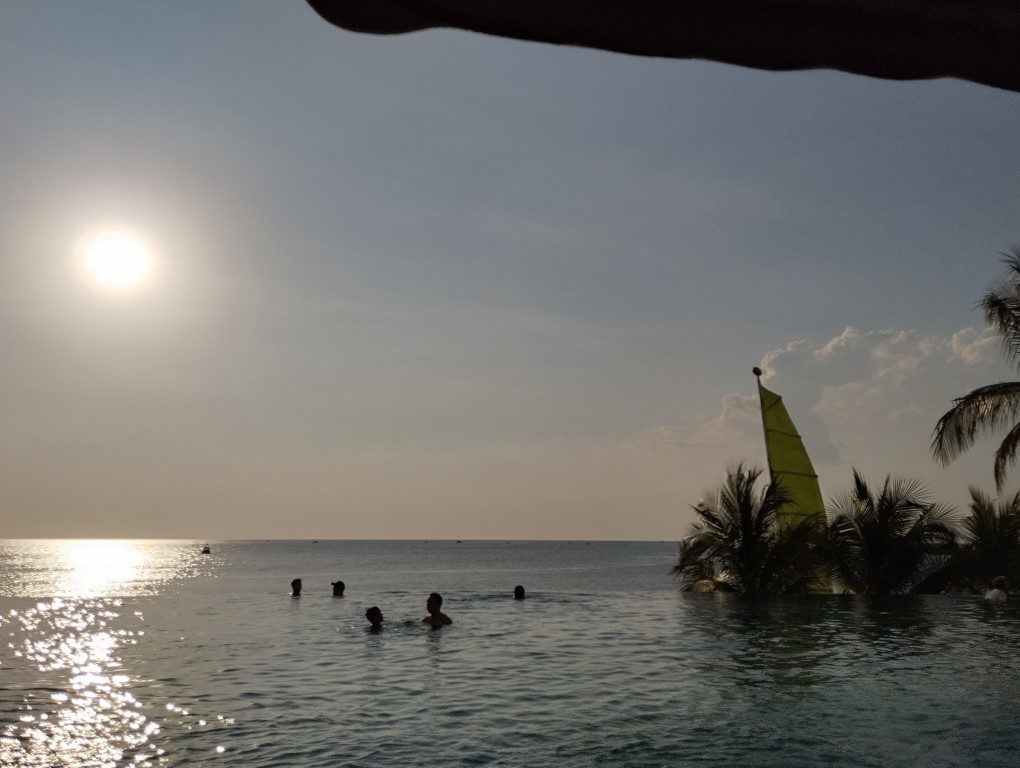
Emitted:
pixel 149 653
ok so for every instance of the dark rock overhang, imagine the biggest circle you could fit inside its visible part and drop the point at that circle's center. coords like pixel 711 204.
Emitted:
pixel 976 40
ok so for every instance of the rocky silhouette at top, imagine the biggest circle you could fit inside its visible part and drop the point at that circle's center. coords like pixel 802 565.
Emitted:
pixel 893 39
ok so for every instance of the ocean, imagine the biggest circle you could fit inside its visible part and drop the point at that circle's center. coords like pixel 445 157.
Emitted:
pixel 148 653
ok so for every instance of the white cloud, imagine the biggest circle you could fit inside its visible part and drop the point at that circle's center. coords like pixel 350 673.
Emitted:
pixel 738 420
pixel 860 376
pixel 973 347
pixel 863 398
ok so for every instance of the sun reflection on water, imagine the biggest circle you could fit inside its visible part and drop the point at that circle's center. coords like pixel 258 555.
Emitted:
pixel 68 699
pixel 93 567
pixel 86 715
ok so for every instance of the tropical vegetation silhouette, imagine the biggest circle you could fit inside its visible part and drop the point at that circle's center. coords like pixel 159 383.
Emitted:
pixel 893 539
pixel 887 542
pixel 994 406
pixel 989 542
pixel 737 543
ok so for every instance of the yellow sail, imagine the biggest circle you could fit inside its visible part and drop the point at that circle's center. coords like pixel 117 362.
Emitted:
pixel 789 461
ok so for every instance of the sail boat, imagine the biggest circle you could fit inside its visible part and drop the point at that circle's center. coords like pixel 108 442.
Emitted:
pixel 788 462
pixel 790 467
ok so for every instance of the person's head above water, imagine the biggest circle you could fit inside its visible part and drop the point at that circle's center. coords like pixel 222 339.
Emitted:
pixel 295 587
pixel 374 616
pixel 338 588
pixel 518 592
pixel 1000 582
pixel 436 617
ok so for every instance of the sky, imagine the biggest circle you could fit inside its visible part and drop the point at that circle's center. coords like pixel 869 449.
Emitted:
pixel 443 285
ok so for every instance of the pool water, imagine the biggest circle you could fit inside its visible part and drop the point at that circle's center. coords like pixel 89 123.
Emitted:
pixel 149 653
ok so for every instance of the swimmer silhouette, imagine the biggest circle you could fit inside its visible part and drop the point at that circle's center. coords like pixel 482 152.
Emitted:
pixel 518 592
pixel 295 588
pixel 436 617
pixel 999 590
pixel 338 588
pixel 375 618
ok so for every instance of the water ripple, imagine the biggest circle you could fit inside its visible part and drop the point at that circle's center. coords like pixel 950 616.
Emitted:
pixel 209 661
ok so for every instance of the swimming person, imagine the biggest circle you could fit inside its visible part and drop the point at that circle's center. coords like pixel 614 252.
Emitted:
pixel 436 617
pixel 518 592
pixel 999 592
pixel 338 588
pixel 375 618
pixel 295 588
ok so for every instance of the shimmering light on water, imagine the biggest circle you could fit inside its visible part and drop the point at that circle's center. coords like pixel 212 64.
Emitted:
pixel 182 659
pixel 96 566
pixel 91 717
pixel 67 700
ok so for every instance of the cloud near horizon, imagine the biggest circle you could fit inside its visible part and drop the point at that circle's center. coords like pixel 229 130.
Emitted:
pixel 862 398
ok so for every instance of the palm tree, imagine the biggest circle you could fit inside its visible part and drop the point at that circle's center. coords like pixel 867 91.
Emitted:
pixel 738 543
pixel 990 541
pixel 692 567
pixel 888 543
pixel 995 406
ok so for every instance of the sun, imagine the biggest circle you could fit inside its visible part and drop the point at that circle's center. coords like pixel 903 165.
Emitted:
pixel 116 260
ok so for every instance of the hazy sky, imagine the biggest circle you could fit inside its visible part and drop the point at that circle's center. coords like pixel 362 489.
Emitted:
pixel 443 285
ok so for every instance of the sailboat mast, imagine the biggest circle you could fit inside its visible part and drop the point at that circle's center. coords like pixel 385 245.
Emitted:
pixel 765 430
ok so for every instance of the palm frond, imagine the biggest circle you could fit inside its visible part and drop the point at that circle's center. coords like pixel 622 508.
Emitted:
pixel 986 408
pixel 692 565
pixel 861 492
pixel 989 542
pixel 995 406
pixel 1012 506
pixel 980 502
pixel 1005 455
pixel 1001 308
pixel 890 541
pixel 737 538
pixel 1012 261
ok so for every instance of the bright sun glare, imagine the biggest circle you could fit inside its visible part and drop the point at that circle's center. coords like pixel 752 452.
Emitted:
pixel 98 566
pixel 117 260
